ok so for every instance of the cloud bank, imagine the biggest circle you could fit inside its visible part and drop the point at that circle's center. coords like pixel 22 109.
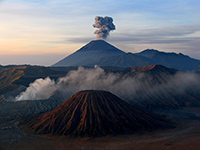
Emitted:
pixel 125 86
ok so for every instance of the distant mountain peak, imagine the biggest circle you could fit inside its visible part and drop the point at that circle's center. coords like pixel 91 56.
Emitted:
pixel 99 45
pixel 170 59
pixel 90 53
pixel 150 50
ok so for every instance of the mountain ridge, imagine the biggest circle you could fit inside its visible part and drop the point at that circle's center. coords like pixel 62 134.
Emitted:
pixel 150 68
pixel 171 59
pixel 12 77
pixel 101 53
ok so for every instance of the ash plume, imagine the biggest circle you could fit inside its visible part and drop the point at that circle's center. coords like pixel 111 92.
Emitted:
pixel 105 25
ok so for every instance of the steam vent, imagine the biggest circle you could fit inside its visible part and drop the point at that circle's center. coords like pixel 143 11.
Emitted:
pixel 93 113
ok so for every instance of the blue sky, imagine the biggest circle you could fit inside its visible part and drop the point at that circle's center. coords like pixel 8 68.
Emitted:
pixel 43 32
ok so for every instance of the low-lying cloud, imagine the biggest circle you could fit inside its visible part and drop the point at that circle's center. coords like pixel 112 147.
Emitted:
pixel 81 79
pixel 123 85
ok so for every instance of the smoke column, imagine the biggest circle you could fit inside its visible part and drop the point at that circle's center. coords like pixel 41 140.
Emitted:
pixel 39 89
pixel 105 25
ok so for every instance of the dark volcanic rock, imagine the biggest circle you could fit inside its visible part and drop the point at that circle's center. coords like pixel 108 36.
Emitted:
pixel 93 113
pixel 20 110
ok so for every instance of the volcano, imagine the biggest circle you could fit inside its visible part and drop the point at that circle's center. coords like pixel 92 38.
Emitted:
pixel 93 113
pixel 101 53
pixel 90 54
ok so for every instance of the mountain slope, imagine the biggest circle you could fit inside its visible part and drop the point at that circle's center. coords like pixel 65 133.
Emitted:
pixel 153 70
pixel 89 54
pixel 159 87
pixel 94 113
pixel 12 77
pixel 171 60
pixel 125 60
pixel 19 110
pixel 8 76
pixel 151 57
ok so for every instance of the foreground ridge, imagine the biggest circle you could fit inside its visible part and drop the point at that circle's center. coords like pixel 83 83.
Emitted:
pixel 94 113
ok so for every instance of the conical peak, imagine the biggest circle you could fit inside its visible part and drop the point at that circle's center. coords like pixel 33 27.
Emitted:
pixel 90 54
pixel 99 97
pixel 99 45
pixel 93 113
pixel 92 92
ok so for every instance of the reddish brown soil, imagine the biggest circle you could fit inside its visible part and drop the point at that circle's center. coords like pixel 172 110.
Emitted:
pixel 94 113
pixel 144 68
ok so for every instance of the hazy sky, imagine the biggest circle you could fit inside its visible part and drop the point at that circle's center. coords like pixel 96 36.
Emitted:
pixel 44 31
